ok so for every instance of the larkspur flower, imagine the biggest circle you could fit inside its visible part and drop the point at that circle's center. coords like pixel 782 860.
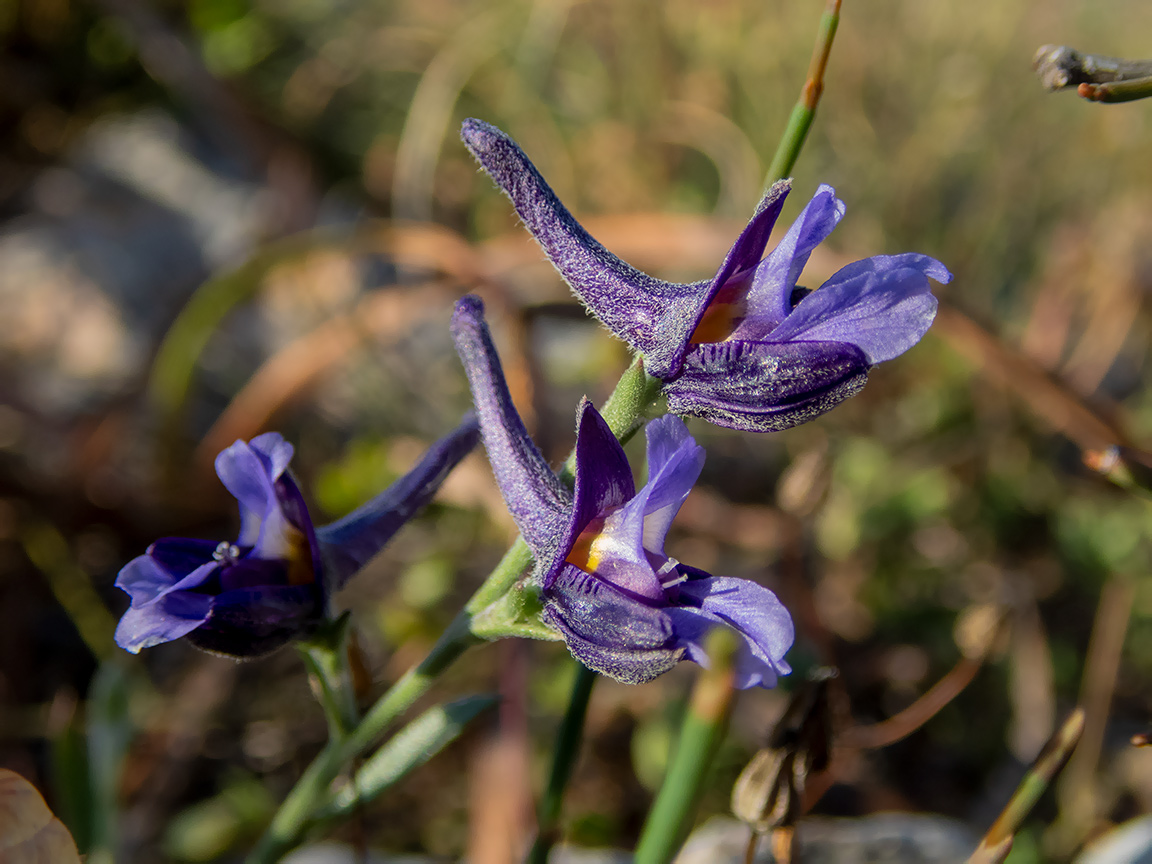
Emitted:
pixel 623 606
pixel 746 349
pixel 273 583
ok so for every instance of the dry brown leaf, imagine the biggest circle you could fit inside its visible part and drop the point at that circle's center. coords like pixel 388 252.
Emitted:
pixel 29 833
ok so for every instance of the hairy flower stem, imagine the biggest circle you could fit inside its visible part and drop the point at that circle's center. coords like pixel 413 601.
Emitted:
pixel 624 412
pixel 804 112
pixel 326 659
pixel 568 738
pixel 705 724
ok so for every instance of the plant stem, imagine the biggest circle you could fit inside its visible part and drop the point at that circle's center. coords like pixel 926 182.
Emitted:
pixel 326 658
pixel 805 110
pixel 295 815
pixel 568 738
pixel 704 727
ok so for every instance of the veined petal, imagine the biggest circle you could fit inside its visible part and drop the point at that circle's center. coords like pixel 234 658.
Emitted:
pixel 766 386
pixel 610 631
pixel 150 624
pixel 770 293
pixel 347 544
pixel 538 501
pixel 249 622
pixel 752 611
pixel 674 464
pixel 883 305
pixel 653 316
pixel 248 470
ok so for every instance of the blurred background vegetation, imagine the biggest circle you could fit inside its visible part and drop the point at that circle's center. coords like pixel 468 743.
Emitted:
pixel 287 173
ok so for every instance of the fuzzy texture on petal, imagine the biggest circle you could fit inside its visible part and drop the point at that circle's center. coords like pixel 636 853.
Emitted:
pixel 609 630
pixel 654 316
pixel 538 501
pixel 272 585
pixel 766 386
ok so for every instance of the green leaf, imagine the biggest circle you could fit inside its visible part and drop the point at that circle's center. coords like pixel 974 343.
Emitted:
pixel 409 748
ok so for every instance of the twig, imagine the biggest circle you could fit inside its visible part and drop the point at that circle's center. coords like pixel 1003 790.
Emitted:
pixel 1060 66
pixel 997 843
pixel 919 712
pixel 1095 77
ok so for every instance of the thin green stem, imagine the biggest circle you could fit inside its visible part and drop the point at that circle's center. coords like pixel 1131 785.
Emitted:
pixel 704 726
pixel 1117 91
pixel 325 656
pixel 804 112
pixel 568 738
pixel 295 815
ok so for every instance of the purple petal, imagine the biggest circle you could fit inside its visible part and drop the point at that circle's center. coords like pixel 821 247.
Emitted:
pixel 653 316
pixel 250 622
pixel 766 386
pixel 770 295
pixel 752 611
pixel 603 483
pixel 608 630
pixel 249 472
pixel 538 501
pixel 151 624
pixel 675 461
pixel 181 555
pixel 883 305
pixel 146 580
pixel 630 542
pixel 253 573
pixel 347 544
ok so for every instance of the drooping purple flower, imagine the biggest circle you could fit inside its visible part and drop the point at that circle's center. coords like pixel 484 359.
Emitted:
pixel 747 349
pixel 273 583
pixel 623 606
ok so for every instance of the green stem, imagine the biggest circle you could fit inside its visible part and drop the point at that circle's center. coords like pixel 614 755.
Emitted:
pixel 295 815
pixel 705 724
pixel 805 110
pixel 325 656
pixel 568 738
pixel 1117 91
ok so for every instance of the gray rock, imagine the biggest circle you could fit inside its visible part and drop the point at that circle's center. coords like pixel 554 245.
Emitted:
pixel 882 838
pixel 1130 843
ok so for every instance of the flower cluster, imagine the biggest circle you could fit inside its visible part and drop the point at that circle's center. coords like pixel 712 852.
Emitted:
pixel 748 349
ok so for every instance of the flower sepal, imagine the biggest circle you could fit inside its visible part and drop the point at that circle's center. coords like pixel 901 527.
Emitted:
pixel 516 614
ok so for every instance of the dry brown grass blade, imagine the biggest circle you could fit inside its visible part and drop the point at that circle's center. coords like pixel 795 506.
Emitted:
pixel 1052 400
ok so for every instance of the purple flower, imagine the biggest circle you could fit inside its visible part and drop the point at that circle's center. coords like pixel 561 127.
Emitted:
pixel 624 607
pixel 747 349
pixel 272 584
